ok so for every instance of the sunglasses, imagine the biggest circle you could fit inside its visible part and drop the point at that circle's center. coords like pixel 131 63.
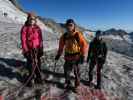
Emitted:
pixel 32 19
pixel 70 25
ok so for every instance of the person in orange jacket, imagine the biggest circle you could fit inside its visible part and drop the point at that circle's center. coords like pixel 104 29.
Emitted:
pixel 32 46
pixel 74 45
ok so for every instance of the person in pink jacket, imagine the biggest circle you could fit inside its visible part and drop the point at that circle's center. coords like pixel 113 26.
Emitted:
pixel 32 47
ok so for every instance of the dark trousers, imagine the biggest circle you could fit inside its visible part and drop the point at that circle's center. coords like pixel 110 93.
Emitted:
pixel 33 61
pixel 99 67
pixel 68 67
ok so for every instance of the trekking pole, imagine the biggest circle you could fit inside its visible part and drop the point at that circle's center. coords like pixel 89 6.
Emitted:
pixel 77 74
pixel 55 67
pixel 22 86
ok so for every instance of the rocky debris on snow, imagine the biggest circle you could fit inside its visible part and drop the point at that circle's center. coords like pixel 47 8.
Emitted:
pixel 117 79
pixel 117 72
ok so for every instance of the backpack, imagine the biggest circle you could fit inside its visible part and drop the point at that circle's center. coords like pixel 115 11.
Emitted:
pixel 98 49
pixel 74 41
pixel 101 52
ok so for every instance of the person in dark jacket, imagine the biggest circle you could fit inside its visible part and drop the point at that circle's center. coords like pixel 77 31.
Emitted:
pixel 96 56
pixel 32 47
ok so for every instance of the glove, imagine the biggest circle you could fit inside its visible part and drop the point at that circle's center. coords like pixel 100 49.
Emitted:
pixel 26 54
pixel 57 57
pixel 88 60
pixel 81 59
pixel 102 60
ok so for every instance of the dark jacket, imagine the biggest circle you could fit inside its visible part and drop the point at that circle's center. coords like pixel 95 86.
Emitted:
pixel 97 51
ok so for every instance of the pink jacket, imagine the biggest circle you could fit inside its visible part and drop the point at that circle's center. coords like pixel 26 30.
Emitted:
pixel 31 37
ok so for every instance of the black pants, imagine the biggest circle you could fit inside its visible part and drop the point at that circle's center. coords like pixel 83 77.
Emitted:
pixel 33 61
pixel 68 67
pixel 99 65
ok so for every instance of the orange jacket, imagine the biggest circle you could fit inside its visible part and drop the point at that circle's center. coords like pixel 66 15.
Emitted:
pixel 67 44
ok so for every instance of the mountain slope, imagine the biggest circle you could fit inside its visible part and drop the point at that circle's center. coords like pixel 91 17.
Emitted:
pixel 117 72
pixel 11 13
pixel 117 78
pixel 119 41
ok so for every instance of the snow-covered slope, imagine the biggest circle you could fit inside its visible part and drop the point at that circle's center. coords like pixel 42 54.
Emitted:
pixel 12 20
pixel 116 79
pixel 11 14
pixel 120 42
pixel 117 72
pixel 129 37
pixel 113 37
pixel 8 10
pixel 118 35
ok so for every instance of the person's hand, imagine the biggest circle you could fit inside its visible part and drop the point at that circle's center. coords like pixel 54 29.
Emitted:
pixel 41 52
pixel 81 59
pixel 103 60
pixel 26 54
pixel 57 57
pixel 87 60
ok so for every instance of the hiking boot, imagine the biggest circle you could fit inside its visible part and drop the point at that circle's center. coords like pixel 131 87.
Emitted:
pixel 29 84
pixel 67 85
pixel 38 81
pixel 77 83
pixel 75 90
pixel 97 87
pixel 89 83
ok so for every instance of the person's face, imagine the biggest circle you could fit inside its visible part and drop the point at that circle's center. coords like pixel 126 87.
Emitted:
pixel 70 27
pixel 32 21
pixel 99 37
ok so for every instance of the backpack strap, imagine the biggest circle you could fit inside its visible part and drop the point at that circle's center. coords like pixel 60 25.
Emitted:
pixel 65 36
pixel 76 36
